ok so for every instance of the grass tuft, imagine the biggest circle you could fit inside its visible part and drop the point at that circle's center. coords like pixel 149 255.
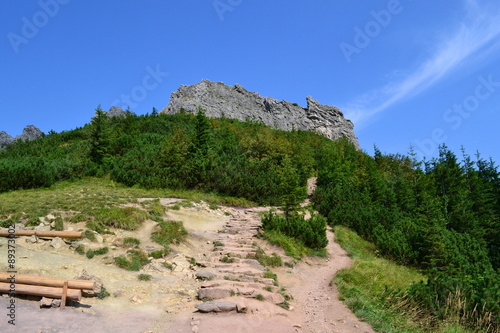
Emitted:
pixel 89 235
pixel 134 260
pixel 90 254
pixel 59 223
pixel 127 218
pixel 131 242
pixel 170 232
pixel 144 277
pixel 158 254
pixel 226 259
pixel 80 249
pixel 293 247
pixel 269 261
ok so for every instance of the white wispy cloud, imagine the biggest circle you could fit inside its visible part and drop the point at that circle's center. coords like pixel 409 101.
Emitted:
pixel 478 35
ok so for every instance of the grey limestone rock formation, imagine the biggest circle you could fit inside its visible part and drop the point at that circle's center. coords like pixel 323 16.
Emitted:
pixel 115 111
pixel 5 139
pixel 219 100
pixel 30 132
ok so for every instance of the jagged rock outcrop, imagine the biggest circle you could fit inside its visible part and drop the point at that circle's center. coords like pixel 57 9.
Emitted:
pixel 219 100
pixel 30 132
pixel 116 111
pixel 5 139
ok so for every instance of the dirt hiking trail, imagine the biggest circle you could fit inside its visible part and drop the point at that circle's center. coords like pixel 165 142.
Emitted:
pixel 192 289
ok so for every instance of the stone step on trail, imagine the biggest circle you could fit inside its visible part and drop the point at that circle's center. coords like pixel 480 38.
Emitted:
pixel 232 272
pixel 221 292
pixel 214 275
pixel 239 262
pixel 241 231
pixel 223 265
pixel 237 254
pixel 207 307
pixel 221 237
pixel 241 247
pixel 236 284
pixel 246 278
pixel 242 270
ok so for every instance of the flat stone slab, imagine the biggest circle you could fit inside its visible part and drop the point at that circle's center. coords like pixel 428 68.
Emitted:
pixel 216 307
pixel 205 275
pixel 213 293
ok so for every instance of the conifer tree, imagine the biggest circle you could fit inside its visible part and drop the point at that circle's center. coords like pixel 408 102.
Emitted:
pixel 98 136
pixel 289 184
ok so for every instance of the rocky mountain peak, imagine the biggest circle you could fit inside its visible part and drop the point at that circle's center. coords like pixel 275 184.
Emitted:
pixel 219 100
pixel 116 111
pixel 30 132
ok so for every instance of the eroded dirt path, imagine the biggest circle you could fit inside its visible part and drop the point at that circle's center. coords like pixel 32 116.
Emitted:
pixel 315 307
pixel 316 298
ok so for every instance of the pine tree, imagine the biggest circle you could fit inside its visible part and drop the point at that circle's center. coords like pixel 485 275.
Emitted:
pixel 199 151
pixel 98 136
pixel 292 193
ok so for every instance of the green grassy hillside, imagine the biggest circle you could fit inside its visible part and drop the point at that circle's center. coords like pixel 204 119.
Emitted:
pixel 441 217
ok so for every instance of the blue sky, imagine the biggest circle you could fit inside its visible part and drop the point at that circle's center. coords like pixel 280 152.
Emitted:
pixel 406 72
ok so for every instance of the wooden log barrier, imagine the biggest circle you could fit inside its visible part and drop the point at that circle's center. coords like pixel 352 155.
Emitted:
pixel 47 281
pixel 62 234
pixel 64 295
pixel 51 292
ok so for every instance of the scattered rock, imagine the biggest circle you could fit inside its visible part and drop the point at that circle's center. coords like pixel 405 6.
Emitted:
pixel 42 227
pixel 136 299
pixel 57 243
pixel 241 307
pixel 118 293
pixel 98 285
pixel 274 298
pixel 99 238
pixel 46 302
pixel 155 266
pixel 33 239
pixel 216 307
pixel 180 264
pixel 153 248
pixel 19 226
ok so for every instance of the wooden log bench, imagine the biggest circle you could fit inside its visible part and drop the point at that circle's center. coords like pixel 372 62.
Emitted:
pixel 44 286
